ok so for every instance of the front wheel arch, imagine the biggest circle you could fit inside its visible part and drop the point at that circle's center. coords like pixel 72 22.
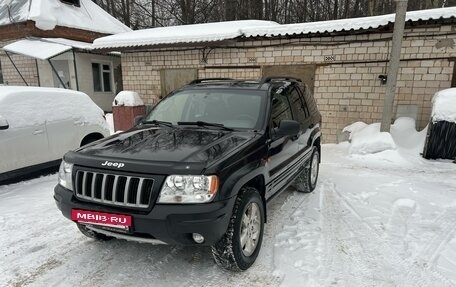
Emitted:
pixel 91 138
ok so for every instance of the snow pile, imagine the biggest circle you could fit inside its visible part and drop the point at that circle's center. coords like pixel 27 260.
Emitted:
pixel 47 14
pixel 357 126
pixel 128 99
pixel 27 106
pixel 444 106
pixel 406 136
pixel 369 140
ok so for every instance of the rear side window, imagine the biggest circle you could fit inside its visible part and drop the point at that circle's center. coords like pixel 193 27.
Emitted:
pixel 309 99
pixel 299 107
pixel 280 110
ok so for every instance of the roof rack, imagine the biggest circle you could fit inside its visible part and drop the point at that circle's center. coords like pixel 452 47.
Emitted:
pixel 270 79
pixel 199 81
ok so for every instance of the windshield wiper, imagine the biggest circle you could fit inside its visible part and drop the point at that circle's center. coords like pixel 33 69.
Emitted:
pixel 205 124
pixel 159 123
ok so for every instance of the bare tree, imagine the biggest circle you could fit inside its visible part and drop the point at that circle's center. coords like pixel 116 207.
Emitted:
pixel 140 14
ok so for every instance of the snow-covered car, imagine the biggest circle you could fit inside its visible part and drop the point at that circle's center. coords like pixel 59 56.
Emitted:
pixel 39 125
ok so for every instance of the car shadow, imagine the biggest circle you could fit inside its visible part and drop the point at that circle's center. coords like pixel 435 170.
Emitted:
pixel 31 175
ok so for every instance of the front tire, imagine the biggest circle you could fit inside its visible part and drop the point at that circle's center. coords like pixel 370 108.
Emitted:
pixel 307 179
pixel 239 247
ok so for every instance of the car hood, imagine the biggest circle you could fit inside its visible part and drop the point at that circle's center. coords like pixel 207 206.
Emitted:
pixel 195 147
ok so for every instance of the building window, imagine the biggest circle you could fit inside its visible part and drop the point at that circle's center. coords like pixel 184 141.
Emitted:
pixel 101 77
pixel 72 2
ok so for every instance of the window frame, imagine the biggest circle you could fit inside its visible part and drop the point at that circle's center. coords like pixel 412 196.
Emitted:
pixel 101 71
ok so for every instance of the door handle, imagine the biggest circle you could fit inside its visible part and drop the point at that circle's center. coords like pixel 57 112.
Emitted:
pixel 38 132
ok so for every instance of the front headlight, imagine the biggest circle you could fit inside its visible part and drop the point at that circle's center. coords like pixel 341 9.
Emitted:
pixel 65 172
pixel 188 189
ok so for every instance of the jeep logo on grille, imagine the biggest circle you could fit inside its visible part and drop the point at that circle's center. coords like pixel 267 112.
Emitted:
pixel 113 164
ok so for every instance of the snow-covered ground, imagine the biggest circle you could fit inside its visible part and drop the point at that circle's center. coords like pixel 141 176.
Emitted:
pixel 385 219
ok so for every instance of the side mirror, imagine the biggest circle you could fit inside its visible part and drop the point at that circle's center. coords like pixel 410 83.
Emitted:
pixel 138 120
pixel 4 125
pixel 287 128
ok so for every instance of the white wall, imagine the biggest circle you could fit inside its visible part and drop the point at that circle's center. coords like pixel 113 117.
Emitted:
pixel 84 71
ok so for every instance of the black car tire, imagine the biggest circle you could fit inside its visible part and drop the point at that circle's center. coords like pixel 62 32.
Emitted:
pixel 93 234
pixel 304 182
pixel 228 252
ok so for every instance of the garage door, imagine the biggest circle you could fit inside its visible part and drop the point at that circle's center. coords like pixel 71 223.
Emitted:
pixel 172 79
pixel 304 72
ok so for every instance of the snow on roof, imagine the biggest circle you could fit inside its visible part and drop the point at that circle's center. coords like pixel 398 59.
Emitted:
pixel 212 32
pixel 208 32
pixel 361 23
pixel 444 106
pixel 50 13
pixel 46 48
pixel 36 48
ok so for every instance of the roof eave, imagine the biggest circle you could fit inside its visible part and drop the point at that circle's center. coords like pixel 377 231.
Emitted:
pixel 145 47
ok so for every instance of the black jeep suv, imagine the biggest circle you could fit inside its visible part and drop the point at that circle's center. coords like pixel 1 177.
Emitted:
pixel 199 169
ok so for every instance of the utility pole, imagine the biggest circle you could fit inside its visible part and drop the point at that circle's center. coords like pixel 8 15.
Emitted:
pixel 395 57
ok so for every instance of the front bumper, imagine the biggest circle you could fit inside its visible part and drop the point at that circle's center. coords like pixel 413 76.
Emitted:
pixel 169 223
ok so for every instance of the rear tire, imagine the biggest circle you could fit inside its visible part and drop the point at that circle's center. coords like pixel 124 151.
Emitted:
pixel 93 234
pixel 239 247
pixel 307 179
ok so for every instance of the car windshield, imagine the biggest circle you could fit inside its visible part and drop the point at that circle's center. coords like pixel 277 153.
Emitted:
pixel 231 108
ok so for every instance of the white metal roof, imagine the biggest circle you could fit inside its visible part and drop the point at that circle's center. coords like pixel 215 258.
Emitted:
pixel 211 32
pixel 347 24
pixel 50 13
pixel 208 32
pixel 46 48
pixel 37 48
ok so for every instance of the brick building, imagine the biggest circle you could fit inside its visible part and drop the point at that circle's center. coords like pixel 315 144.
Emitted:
pixel 343 61
pixel 48 43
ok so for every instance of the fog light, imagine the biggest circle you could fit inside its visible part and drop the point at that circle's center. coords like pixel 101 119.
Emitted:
pixel 198 238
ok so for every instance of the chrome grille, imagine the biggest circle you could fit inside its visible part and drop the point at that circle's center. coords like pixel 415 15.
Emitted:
pixel 111 189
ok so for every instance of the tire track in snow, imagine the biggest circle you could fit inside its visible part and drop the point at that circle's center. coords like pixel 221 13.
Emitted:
pixel 279 212
pixel 363 255
pixel 447 230
pixel 39 271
